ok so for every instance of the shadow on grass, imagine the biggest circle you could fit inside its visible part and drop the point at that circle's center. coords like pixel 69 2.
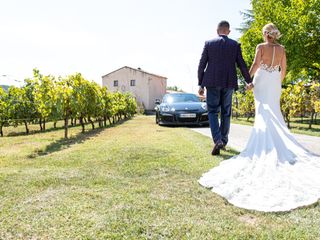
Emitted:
pixel 228 153
pixel 295 124
pixel 63 143
pixel 32 132
pixel 52 129
pixel 305 129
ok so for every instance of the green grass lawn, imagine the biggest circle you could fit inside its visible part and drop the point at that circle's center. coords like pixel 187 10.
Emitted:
pixel 135 180
pixel 297 126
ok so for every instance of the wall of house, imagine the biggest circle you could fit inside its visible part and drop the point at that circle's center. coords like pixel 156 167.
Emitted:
pixel 147 89
pixel 157 89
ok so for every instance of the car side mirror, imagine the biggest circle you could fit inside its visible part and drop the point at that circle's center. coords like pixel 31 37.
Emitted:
pixel 157 102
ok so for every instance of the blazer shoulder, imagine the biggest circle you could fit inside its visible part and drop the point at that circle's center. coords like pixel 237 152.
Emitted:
pixel 211 41
pixel 234 42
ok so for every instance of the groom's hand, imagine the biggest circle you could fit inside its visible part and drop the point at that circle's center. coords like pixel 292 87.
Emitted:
pixel 201 91
pixel 249 86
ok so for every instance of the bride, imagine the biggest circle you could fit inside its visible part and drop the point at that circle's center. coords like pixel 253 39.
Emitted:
pixel 274 172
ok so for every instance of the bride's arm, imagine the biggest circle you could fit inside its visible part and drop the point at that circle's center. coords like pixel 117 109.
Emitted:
pixel 256 61
pixel 283 65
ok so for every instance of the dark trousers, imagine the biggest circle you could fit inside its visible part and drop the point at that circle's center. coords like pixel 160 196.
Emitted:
pixel 219 100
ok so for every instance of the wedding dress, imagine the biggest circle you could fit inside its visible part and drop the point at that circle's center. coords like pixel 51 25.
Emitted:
pixel 274 172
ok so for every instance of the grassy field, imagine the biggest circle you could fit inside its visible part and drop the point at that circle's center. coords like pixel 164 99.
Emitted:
pixel 297 126
pixel 135 180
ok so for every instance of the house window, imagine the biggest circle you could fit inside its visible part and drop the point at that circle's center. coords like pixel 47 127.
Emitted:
pixel 115 83
pixel 132 82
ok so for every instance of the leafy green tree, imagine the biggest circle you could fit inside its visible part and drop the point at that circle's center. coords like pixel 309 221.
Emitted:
pixel 21 108
pixel 246 106
pixel 174 88
pixel 248 19
pixel 299 22
pixel 131 105
pixel 287 101
pixel 78 101
pixel 313 103
pixel 94 103
pixel 43 93
pixel 107 110
pixel 118 105
pixel 56 113
pixel 235 105
pixel 86 101
pixel 3 110
pixel 64 102
pixel 299 95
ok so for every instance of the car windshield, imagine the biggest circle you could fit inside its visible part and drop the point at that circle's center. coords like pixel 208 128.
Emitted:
pixel 175 98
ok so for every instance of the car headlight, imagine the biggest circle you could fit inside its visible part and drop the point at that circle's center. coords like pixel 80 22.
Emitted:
pixel 165 109
pixel 204 106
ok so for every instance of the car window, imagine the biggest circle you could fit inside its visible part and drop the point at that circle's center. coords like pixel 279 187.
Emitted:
pixel 175 98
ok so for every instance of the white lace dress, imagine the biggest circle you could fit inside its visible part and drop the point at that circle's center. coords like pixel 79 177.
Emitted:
pixel 274 172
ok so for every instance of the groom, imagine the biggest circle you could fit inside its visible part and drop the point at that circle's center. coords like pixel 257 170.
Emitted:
pixel 217 72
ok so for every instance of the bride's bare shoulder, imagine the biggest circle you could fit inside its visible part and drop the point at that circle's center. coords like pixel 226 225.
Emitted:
pixel 267 45
pixel 260 45
pixel 282 47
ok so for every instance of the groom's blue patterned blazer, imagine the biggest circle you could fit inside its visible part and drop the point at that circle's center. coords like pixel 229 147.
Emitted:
pixel 217 67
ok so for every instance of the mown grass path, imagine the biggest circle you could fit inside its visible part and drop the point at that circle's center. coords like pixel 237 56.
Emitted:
pixel 135 180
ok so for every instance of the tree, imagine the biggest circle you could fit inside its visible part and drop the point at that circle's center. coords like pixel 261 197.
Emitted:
pixel 79 99
pixel 94 104
pixel 246 105
pixel 56 113
pixel 287 100
pixel 174 88
pixel 313 103
pixel 299 22
pixel 248 19
pixel 21 108
pixel 3 110
pixel 236 106
pixel 299 95
pixel 131 105
pixel 107 110
pixel 64 92
pixel 43 93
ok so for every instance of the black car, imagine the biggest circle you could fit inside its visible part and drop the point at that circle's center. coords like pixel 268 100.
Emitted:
pixel 181 109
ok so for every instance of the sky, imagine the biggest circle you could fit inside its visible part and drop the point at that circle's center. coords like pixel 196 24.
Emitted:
pixel 95 37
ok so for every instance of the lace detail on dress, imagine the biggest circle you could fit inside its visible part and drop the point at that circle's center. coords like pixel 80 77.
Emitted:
pixel 270 68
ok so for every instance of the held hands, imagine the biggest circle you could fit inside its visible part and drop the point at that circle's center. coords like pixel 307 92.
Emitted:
pixel 201 91
pixel 249 86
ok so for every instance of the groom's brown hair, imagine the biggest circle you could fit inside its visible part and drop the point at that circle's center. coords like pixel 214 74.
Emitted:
pixel 223 25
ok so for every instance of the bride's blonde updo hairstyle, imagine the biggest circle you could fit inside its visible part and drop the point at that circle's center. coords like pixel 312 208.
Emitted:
pixel 271 32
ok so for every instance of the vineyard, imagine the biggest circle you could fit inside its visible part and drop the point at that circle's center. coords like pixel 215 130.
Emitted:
pixel 46 98
pixel 297 100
